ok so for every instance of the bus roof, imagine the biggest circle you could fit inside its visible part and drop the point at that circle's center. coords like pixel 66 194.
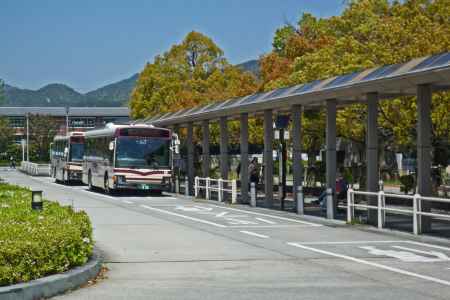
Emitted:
pixel 111 129
pixel 66 137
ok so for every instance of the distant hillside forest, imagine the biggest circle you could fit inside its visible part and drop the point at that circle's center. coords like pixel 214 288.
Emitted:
pixel 112 95
pixel 115 94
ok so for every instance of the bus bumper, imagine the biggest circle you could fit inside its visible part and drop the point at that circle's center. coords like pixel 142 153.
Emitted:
pixel 160 185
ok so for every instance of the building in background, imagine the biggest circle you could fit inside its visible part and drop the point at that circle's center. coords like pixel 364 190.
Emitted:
pixel 80 118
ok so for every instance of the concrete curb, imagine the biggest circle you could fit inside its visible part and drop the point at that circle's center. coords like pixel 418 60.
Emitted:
pixel 54 284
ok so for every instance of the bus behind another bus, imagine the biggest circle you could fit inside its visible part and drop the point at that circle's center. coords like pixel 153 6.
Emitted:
pixel 66 156
pixel 120 157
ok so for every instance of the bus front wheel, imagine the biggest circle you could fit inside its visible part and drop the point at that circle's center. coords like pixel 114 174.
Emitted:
pixel 108 190
pixel 90 186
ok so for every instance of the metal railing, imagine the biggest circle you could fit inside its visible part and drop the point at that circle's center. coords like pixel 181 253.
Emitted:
pixel 211 185
pixel 35 169
pixel 415 211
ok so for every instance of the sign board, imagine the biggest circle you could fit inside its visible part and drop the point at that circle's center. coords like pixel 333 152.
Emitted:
pixel 282 121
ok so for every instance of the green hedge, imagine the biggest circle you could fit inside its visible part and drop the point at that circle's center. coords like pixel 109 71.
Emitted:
pixel 35 244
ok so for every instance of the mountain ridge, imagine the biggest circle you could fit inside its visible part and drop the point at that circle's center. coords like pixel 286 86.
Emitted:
pixel 115 94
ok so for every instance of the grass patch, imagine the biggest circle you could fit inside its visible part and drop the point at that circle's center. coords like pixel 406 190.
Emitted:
pixel 36 244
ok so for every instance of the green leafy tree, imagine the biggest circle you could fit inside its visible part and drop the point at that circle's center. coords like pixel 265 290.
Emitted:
pixel 43 128
pixel 191 73
pixel 367 34
pixel 6 137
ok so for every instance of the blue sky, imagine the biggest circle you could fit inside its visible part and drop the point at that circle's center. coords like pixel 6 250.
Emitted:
pixel 87 44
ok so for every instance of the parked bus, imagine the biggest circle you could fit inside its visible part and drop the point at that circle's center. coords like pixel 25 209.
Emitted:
pixel 128 157
pixel 66 156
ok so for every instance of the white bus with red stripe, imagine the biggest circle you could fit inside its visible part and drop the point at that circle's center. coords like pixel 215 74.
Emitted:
pixel 66 156
pixel 120 157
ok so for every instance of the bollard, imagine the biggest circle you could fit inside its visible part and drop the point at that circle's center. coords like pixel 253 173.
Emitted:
pixel 350 211
pixel 208 183
pixel 196 186
pixel 252 194
pixel 186 186
pixel 220 183
pixel 330 204
pixel 416 216
pixel 177 185
pixel 300 200
pixel 233 192
pixel 380 210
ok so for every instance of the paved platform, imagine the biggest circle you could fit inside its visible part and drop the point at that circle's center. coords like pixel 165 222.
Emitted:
pixel 175 248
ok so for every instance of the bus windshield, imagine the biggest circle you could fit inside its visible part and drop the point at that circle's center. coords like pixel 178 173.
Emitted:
pixel 142 152
pixel 76 151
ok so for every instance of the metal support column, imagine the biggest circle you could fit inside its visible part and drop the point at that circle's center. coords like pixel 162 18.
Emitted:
pixel 331 157
pixel 268 158
pixel 223 148
pixel 190 158
pixel 205 149
pixel 372 154
pixel 424 148
pixel 297 152
pixel 244 158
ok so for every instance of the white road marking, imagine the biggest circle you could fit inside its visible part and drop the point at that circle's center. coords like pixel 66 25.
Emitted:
pixel 373 264
pixel 255 234
pixel 193 208
pixel 350 242
pixel 265 221
pixel 405 256
pixel 439 255
pixel 269 216
pixel 271 226
pixel 428 245
pixel 100 195
pixel 219 215
pixel 183 216
pixel 128 202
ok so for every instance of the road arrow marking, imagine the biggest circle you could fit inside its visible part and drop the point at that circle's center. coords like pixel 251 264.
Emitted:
pixel 407 256
pixel 440 256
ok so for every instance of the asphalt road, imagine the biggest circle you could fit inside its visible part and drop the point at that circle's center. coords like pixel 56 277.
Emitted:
pixel 175 248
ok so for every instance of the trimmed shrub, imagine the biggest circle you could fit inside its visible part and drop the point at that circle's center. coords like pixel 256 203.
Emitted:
pixel 34 244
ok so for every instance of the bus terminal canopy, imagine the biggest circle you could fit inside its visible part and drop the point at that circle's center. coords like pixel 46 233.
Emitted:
pixel 388 82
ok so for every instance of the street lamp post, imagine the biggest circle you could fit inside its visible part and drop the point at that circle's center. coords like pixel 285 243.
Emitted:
pixel 67 120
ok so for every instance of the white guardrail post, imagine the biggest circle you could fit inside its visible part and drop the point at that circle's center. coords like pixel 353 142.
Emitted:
pixel 220 191
pixel 349 205
pixel 177 185
pixel 186 186
pixel 380 209
pixel 208 192
pixel 196 186
pixel 252 194
pixel 416 216
pixel 233 192
pixel 300 200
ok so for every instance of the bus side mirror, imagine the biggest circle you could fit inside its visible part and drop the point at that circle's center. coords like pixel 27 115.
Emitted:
pixel 111 145
pixel 66 152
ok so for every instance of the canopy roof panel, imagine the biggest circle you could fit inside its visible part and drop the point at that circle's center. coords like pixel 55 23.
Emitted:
pixel 389 81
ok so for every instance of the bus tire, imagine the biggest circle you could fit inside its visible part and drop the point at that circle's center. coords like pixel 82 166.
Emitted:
pixel 90 186
pixel 65 177
pixel 107 189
